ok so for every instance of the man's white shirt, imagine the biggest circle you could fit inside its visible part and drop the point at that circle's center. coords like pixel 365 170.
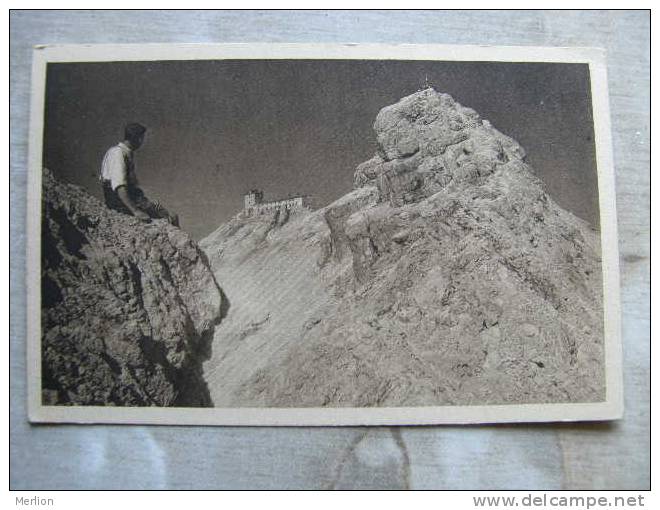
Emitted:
pixel 115 168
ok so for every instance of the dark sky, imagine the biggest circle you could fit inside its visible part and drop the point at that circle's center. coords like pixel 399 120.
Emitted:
pixel 218 128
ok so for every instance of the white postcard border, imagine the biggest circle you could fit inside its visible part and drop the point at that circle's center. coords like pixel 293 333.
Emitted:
pixel 611 408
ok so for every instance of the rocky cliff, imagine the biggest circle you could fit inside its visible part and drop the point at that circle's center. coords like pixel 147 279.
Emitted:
pixel 447 276
pixel 128 308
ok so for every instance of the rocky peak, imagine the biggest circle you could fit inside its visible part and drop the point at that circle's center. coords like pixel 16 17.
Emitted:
pixel 127 308
pixel 428 142
pixel 447 276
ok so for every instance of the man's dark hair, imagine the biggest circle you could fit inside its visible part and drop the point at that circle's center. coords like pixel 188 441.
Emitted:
pixel 134 131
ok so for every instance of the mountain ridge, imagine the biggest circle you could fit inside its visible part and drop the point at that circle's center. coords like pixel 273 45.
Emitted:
pixel 447 276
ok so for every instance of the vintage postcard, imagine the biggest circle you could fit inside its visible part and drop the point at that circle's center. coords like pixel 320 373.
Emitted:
pixel 282 234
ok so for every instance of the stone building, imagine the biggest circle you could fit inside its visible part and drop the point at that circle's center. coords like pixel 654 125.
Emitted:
pixel 255 204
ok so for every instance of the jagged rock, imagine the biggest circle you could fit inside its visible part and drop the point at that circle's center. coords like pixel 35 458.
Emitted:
pixel 127 307
pixel 427 142
pixel 447 276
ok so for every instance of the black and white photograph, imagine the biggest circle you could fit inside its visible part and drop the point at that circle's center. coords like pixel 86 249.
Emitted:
pixel 321 235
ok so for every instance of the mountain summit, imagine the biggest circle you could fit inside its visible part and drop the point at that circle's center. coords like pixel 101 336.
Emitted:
pixel 447 276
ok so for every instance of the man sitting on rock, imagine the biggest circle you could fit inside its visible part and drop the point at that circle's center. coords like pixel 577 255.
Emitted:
pixel 120 184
